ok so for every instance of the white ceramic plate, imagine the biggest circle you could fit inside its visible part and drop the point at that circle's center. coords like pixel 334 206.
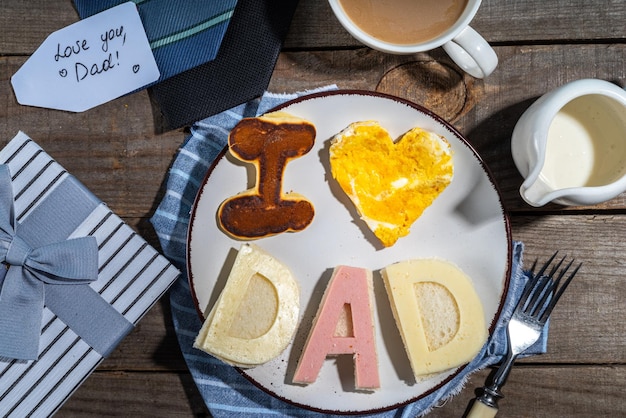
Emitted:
pixel 465 225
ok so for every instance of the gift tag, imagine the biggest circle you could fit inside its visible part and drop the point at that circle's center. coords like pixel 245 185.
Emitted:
pixel 88 63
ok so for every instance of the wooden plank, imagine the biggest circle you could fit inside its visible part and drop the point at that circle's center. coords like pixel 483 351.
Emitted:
pixel 26 24
pixel 554 392
pixel 121 152
pixel 587 326
pixel 129 179
pixel 151 346
pixel 314 25
pixel 124 140
pixel 115 149
pixel 594 391
pixel 136 395
pixel 485 111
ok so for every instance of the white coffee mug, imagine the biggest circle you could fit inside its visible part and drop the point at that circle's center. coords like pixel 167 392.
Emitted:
pixel 467 48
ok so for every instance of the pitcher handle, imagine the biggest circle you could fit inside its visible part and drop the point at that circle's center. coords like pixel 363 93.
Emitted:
pixel 472 53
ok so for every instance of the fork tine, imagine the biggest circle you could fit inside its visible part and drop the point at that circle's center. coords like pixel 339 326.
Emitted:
pixel 536 289
pixel 541 295
pixel 539 298
pixel 563 271
pixel 538 307
pixel 534 278
pixel 557 296
pixel 530 286
pixel 556 267
pixel 545 266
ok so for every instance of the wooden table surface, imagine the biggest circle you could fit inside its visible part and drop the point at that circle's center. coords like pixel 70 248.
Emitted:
pixel 121 152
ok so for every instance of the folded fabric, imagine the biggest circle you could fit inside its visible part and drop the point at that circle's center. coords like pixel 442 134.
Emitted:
pixel 224 390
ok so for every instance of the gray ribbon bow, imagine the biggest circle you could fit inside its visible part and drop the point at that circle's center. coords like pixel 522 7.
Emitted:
pixel 22 289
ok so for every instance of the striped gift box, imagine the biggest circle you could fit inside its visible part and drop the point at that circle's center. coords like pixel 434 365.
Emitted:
pixel 132 276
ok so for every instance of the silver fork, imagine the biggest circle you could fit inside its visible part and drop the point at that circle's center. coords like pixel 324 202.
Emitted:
pixel 531 313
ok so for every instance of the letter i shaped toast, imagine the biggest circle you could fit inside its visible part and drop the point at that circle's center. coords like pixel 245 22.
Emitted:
pixel 269 142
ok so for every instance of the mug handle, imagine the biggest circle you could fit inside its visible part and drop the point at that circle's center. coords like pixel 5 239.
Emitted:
pixel 472 53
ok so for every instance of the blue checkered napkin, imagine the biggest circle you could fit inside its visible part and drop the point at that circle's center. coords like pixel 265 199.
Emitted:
pixel 225 391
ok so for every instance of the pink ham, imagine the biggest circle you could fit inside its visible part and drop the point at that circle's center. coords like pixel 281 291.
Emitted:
pixel 348 286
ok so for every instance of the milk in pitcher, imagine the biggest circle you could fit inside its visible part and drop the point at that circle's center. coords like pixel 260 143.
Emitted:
pixel 585 145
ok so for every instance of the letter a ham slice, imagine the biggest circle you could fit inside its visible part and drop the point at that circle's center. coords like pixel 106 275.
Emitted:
pixel 350 286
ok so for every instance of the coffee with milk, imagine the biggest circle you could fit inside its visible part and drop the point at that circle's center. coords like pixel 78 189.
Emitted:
pixel 404 22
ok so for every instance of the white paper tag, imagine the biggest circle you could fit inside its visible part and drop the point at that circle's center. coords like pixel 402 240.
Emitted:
pixel 88 63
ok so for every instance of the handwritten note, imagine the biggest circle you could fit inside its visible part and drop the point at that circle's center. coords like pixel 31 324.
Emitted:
pixel 88 63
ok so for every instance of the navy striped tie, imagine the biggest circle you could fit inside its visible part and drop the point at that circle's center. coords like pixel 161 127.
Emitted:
pixel 208 63
pixel 182 34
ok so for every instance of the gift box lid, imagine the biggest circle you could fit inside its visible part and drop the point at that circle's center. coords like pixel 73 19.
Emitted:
pixel 131 277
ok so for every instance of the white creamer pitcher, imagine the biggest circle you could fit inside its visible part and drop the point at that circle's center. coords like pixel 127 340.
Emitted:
pixel 570 145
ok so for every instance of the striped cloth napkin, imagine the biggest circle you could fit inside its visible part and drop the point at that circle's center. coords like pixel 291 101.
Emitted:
pixel 225 391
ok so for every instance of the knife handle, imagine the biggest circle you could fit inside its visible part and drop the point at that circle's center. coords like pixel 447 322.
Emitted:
pixel 481 410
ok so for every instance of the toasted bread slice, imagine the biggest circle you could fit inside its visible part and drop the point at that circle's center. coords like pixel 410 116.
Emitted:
pixel 256 314
pixel 390 184
pixel 438 312
pixel 268 142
